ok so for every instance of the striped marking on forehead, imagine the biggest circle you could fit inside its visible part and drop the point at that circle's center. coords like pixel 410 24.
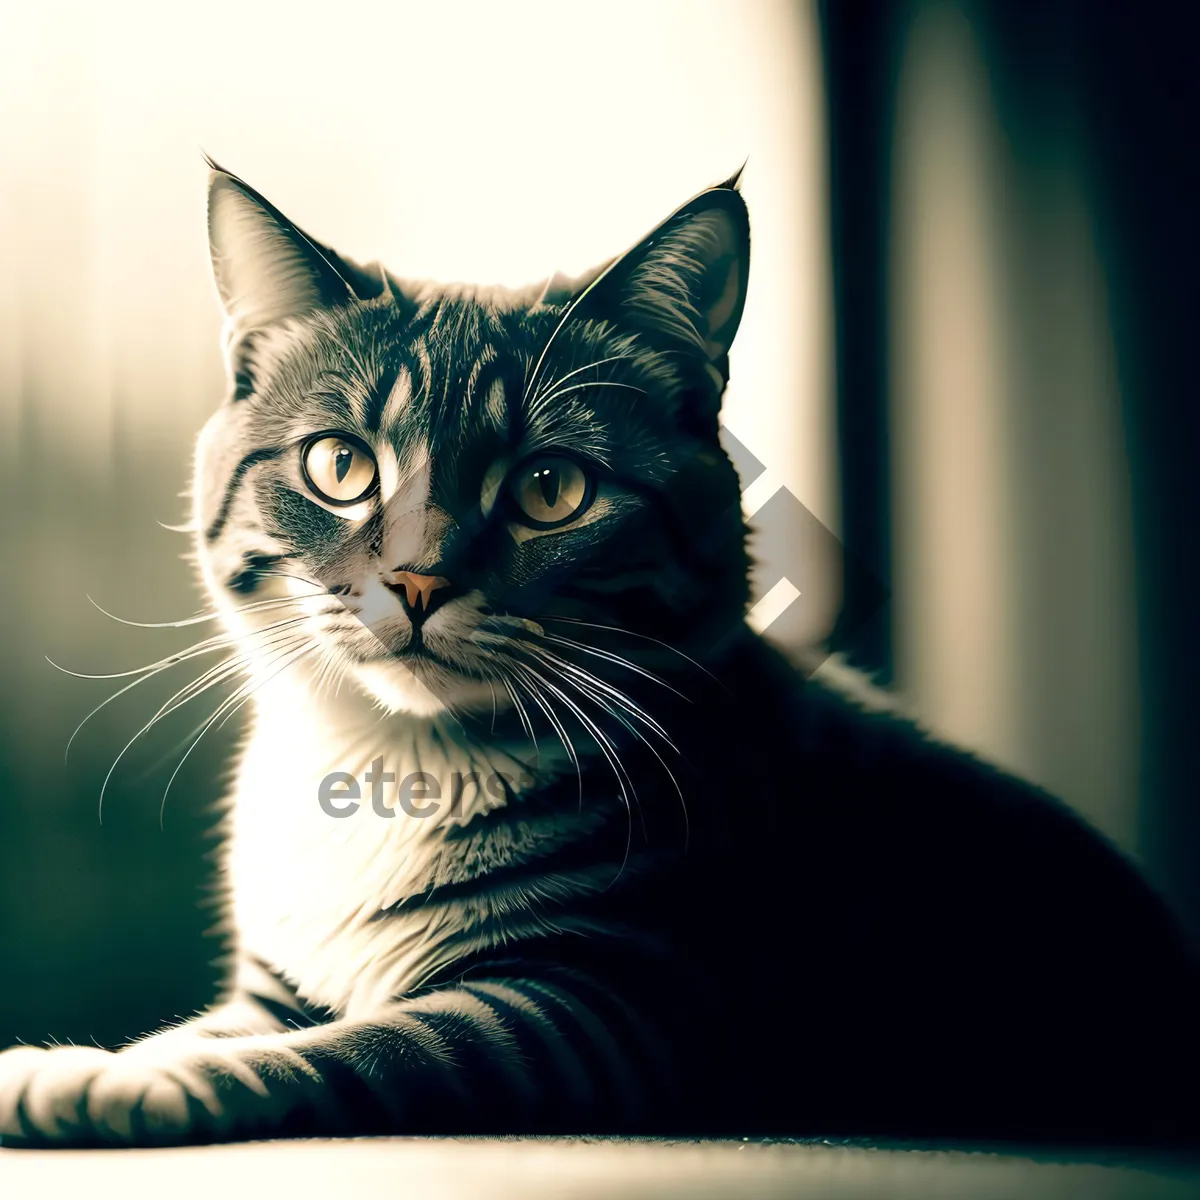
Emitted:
pixel 396 400
pixel 486 396
pixel 404 477
pixel 421 355
pixel 495 403
pixel 487 356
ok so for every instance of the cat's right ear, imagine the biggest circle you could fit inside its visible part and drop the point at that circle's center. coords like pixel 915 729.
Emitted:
pixel 266 269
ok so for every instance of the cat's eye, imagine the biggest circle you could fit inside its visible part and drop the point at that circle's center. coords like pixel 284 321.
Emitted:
pixel 339 468
pixel 550 490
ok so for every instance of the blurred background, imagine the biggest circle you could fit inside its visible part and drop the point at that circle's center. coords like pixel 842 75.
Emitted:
pixel 966 351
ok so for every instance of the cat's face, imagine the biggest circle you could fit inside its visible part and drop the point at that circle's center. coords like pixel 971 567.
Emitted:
pixel 421 488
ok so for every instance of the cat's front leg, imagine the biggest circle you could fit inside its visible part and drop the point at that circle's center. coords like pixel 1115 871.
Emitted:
pixel 515 1055
pixel 164 1090
pixel 178 1084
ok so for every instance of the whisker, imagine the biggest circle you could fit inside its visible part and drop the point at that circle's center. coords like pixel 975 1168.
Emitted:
pixel 563 737
pixel 212 678
pixel 222 670
pixel 606 748
pixel 124 749
pixel 201 618
pixel 644 637
pixel 558 328
pixel 580 387
pixel 616 694
pixel 230 705
pixel 329 675
pixel 525 722
pixel 608 656
pixel 588 693
pixel 622 698
pixel 219 641
pixel 285 575
pixel 561 379
pixel 624 701
pixel 145 673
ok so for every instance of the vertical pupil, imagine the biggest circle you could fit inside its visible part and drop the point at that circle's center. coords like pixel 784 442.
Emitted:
pixel 341 463
pixel 548 481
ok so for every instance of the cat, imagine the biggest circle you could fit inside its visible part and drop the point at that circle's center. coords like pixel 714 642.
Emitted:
pixel 530 832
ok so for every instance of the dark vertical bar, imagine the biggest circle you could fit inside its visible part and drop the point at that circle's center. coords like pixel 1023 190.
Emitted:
pixel 858 40
pixel 1127 75
pixel 1139 98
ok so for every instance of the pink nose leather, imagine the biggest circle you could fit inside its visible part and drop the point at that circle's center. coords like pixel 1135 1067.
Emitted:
pixel 417 588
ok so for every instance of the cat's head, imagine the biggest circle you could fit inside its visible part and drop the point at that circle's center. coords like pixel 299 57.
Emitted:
pixel 420 487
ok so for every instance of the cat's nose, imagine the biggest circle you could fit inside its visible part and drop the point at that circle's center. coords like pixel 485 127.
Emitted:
pixel 418 593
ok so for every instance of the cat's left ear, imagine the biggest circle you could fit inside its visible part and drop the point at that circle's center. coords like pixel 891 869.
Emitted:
pixel 267 269
pixel 683 286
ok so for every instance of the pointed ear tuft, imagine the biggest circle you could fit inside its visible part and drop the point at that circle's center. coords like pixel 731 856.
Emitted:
pixel 266 268
pixel 734 182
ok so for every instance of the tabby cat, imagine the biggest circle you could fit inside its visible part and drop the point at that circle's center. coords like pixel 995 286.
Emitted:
pixel 530 832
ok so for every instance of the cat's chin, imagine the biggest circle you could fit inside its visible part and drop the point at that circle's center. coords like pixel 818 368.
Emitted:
pixel 421 687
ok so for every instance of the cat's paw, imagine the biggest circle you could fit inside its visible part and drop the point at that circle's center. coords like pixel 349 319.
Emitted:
pixel 41 1091
pixel 75 1095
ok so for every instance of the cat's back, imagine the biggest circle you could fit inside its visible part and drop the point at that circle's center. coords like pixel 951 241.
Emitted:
pixel 919 901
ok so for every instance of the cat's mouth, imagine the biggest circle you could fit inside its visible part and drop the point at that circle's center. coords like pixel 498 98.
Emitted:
pixel 417 655
pixel 414 655
pixel 421 681
pixel 422 665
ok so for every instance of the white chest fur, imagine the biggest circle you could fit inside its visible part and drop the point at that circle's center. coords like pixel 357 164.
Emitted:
pixel 306 885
